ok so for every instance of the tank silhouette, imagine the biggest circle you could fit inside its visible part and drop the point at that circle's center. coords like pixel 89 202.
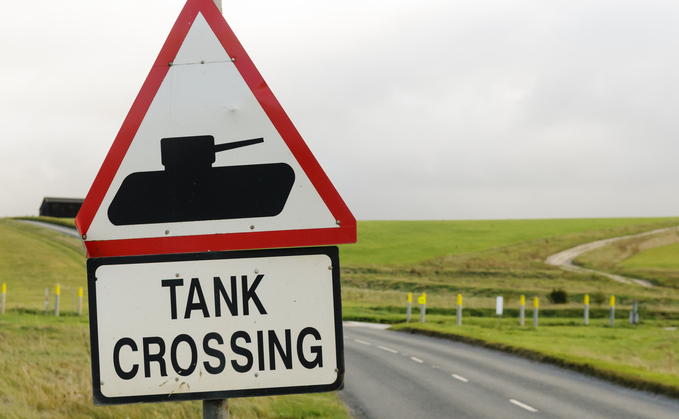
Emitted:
pixel 190 189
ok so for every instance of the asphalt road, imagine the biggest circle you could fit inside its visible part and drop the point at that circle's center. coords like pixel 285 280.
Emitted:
pixel 398 375
pixel 65 230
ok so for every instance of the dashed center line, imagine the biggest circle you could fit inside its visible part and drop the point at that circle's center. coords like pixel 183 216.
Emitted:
pixel 457 377
pixel 525 406
pixel 384 348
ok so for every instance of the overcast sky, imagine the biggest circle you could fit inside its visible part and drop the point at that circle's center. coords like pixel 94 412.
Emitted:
pixel 415 109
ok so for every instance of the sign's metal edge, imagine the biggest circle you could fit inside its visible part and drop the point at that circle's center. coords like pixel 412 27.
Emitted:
pixel 94 263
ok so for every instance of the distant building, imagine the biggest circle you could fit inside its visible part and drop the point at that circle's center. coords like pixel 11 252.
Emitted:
pixel 60 207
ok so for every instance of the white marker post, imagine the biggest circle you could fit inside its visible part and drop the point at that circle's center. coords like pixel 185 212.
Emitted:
pixel 423 306
pixel 586 309
pixel 409 310
pixel 633 315
pixel 459 309
pixel 612 315
pixel 536 303
pixel 522 310
pixel 56 301
pixel 498 310
pixel 2 299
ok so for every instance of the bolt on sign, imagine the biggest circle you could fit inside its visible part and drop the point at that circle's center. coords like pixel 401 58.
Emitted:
pixel 209 232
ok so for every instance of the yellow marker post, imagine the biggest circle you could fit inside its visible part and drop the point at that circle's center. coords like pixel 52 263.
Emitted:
pixel 522 310
pixel 612 310
pixel 459 309
pixel 586 309
pixel 2 298
pixel 80 301
pixel 56 300
pixel 536 304
pixel 423 306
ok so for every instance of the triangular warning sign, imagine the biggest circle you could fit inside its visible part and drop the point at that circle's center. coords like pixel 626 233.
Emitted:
pixel 208 160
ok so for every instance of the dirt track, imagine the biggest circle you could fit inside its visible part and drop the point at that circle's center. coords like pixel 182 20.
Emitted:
pixel 565 259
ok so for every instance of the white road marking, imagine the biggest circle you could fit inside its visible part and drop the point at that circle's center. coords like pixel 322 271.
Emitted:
pixel 384 348
pixel 525 406
pixel 362 341
pixel 417 360
pixel 459 377
pixel 368 325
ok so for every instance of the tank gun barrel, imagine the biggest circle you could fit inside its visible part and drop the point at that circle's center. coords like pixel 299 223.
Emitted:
pixel 237 144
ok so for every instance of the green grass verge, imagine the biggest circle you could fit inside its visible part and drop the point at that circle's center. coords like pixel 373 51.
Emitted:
pixel 642 357
pixel 45 373
pixel 33 259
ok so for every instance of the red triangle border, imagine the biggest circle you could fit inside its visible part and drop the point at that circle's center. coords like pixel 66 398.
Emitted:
pixel 345 233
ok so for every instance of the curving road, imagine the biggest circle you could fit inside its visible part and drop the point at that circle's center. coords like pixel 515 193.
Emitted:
pixel 397 375
pixel 65 230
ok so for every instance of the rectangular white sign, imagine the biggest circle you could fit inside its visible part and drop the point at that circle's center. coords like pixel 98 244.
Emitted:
pixel 498 306
pixel 215 325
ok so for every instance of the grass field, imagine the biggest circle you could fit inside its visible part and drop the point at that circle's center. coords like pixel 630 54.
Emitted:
pixel 408 242
pixel 34 259
pixel 665 257
pixel 479 259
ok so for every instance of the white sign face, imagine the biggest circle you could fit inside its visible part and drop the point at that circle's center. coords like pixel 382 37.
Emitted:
pixel 498 306
pixel 207 99
pixel 215 325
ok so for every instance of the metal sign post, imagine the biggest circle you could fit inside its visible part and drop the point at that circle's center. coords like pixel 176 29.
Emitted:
pixel 459 310
pixel 536 304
